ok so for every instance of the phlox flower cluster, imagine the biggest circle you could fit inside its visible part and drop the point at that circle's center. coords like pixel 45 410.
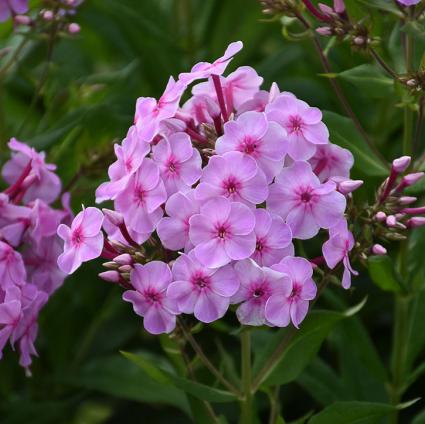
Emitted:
pixel 208 194
pixel 29 246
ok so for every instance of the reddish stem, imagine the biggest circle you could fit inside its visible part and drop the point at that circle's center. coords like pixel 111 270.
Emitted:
pixel 195 135
pixel 127 236
pixel 14 188
pixel 220 97
pixel 312 9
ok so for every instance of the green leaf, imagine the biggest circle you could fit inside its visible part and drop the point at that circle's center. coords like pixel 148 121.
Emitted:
pixel 416 337
pixel 382 5
pixel 383 273
pixel 420 418
pixel 344 133
pixel 355 412
pixel 198 390
pixel 369 79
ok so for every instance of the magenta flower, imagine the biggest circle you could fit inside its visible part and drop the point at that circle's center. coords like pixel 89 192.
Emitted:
pixel 140 202
pixel 257 285
pixel 303 124
pixel 150 113
pixel 337 248
pixel 205 69
pixel 233 175
pixel 12 270
pixel 179 163
pixel 260 100
pixel 203 291
pixel 41 182
pixel 149 297
pixel 238 87
pixel 273 238
pixel 173 230
pixel 129 155
pixel 222 232
pixel 12 7
pixel 331 160
pixel 83 240
pixel 10 314
pixel 290 302
pixel 409 2
pixel 253 135
pixel 303 202
pixel 202 109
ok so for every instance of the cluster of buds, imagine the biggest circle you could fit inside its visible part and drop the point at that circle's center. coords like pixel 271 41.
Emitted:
pixel 29 246
pixel 414 81
pixel 280 7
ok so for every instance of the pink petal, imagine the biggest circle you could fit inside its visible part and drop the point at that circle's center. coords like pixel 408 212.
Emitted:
pixel 185 295
pixel 329 209
pixel 225 281
pixel 92 221
pixel 157 320
pixel 317 133
pixel 241 219
pixel 277 310
pixel 255 190
pixel 298 312
pixel 140 306
pixel 302 222
pixel 210 307
pixel 212 253
pixel 69 261
pixel 173 233
pixel 240 247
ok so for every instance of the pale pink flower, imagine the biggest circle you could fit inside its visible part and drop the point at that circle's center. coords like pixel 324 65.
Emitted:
pixel 149 297
pixel 252 134
pixel 302 123
pixel 409 2
pixel 200 290
pixel 234 175
pixel 290 302
pixel 10 314
pixel 12 269
pixel 12 7
pixel 83 240
pixel 303 202
pixel 260 100
pixel 179 163
pixel 257 285
pixel 222 232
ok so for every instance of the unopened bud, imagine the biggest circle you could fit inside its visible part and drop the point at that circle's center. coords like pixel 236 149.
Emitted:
pixel 111 276
pixel 110 265
pixel 74 28
pixel 379 250
pixel 391 221
pixel 413 211
pixel 406 200
pixel 359 41
pixel 380 216
pixel 325 31
pixel 395 236
pixel 411 179
pixel 411 83
pixel 22 20
pixel 125 268
pixel 415 222
pixel 124 259
pixel 48 15
pixel 349 186
pixel 115 218
pixel 339 6
pixel 401 164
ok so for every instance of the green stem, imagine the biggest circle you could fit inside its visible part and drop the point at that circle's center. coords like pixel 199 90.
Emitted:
pixel 408 131
pixel 246 403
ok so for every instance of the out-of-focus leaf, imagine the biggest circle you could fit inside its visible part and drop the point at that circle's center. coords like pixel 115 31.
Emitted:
pixel 381 4
pixel 344 133
pixel 383 273
pixel 420 418
pixel 416 336
pixel 303 419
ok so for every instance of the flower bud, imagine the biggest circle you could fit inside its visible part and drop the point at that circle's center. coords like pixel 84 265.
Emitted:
pixel 380 216
pixel 401 164
pixel 411 179
pixel 110 265
pixel 339 6
pixel 115 218
pixel 111 276
pixel 325 31
pixel 411 211
pixel 391 221
pixel 359 41
pixel 379 250
pixel 415 222
pixel 22 20
pixel 125 268
pixel 48 15
pixel 411 83
pixel 406 200
pixel 74 28
pixel 349 186
pixel 124 259
pixel 395 236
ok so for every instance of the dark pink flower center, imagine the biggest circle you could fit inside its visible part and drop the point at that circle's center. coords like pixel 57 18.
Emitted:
pixel 231 185
pixel 248 146
pixel 295 124
pixel 261 244
pixel 172 166
pixel 129 164
pixel 139 195
pixel 200 281
pixel 152 296
pixel 296 292
pixel 77 237
pixel 259 292
pixel 222 231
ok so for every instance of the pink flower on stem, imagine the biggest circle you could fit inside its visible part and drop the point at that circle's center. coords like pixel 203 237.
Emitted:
pixel 83 240
pixel 273 238
pixel 173 230
pixel 331 160
pixel 179 163
pixel 40 182
pixel 150 299
pixel 233 175
pixel 257 285
pixel 337 249
pixel 140 202
pixel 253 135
pixel 260 100
pixel 12 269
pixel 222 232
pixel 129 155
pixel 150 113
pixel 303 202
pixel 203 109
pixel 409 2
pixel 203 291
pixel 303 124
pixel 12 7
pixel 10 314
pixel 290 302
pixel 205 69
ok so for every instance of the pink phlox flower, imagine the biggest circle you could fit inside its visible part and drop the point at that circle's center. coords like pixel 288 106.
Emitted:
pixel 257 284
pixel 252 134
pixel 303 202
pixel 150 299
pixel 140 202
pixel 234 175
pixel 409 2
pixel 273 238
pixel 173 230
pixel 290 303
pixel 238 87
pixel 12 7
pixel 149 112
pixel 337 249
pixel 44 183
pixel 202 291
pixel 83 240
pixel 260 100
pixel 12 269
pixel 130 154
pixel 331 160
pixel 114 232
pixel 205 69
pixel 222 232
pixel 202 109
pixel 179 163
pixel 303 124
pixel 10 315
